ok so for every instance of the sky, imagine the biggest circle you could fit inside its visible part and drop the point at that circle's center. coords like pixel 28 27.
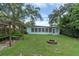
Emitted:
pixel 45 10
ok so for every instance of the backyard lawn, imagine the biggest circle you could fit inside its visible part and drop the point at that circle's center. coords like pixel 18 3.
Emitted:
pixel 36 45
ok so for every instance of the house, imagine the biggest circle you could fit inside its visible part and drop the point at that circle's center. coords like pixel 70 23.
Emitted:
pixel 54 30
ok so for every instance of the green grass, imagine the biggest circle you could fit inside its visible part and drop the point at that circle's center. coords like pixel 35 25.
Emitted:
pixel 34 45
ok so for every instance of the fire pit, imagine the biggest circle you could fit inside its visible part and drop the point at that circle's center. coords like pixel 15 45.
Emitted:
pixel 51 42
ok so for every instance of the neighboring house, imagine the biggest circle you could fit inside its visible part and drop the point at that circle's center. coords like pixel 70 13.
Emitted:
pixel 54 30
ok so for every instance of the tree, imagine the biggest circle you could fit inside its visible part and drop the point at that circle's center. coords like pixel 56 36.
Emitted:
pixel 33 13
pixel 70 23
pixel 29 24
pixel 14 13
pixel 68 15
pixel 54 17
pixel 57 13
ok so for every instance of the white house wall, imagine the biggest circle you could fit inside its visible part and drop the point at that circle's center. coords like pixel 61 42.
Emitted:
pixel 30 32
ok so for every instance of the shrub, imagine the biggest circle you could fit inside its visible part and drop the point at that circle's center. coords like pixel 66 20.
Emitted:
pixel 70 32
pixel 17 33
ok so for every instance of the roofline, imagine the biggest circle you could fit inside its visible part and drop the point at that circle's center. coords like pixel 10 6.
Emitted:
pixel 43 26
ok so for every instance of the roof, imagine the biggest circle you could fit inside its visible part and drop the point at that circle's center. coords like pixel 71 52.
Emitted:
pixel 1 23
pixel 43 26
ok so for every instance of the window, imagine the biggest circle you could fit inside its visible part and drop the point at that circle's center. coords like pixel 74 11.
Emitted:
pixel 57 30
pixel 42 29
pixel 35 29
pixel 46 29
pixel 53 30
pixel 50 29
pixel 39 29
pixel 32 29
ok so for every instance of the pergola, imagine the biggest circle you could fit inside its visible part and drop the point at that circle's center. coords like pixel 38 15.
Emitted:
pixel 6 30
pixel 3 30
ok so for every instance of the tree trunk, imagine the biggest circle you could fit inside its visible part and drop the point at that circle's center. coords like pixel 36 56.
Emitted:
pixel 10 43
pixel 10 35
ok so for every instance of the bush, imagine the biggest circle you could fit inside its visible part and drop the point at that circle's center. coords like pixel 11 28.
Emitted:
pixel 17 33
pixel 70 32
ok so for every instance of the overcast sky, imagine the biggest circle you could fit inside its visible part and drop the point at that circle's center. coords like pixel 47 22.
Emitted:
pixel 45 10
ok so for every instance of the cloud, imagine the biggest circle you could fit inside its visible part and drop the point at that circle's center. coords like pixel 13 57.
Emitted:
pixel 45 10
pixel 41 23
pixel 51 4
pixel 44 5
pixel 44 15
pixel 57 5
pixel 41 5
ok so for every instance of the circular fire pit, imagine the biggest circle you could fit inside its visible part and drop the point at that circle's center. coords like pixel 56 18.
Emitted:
pixel 51 42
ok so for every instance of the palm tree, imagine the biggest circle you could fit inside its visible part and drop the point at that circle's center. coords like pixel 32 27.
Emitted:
pixel 33 13
pixel 54 16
